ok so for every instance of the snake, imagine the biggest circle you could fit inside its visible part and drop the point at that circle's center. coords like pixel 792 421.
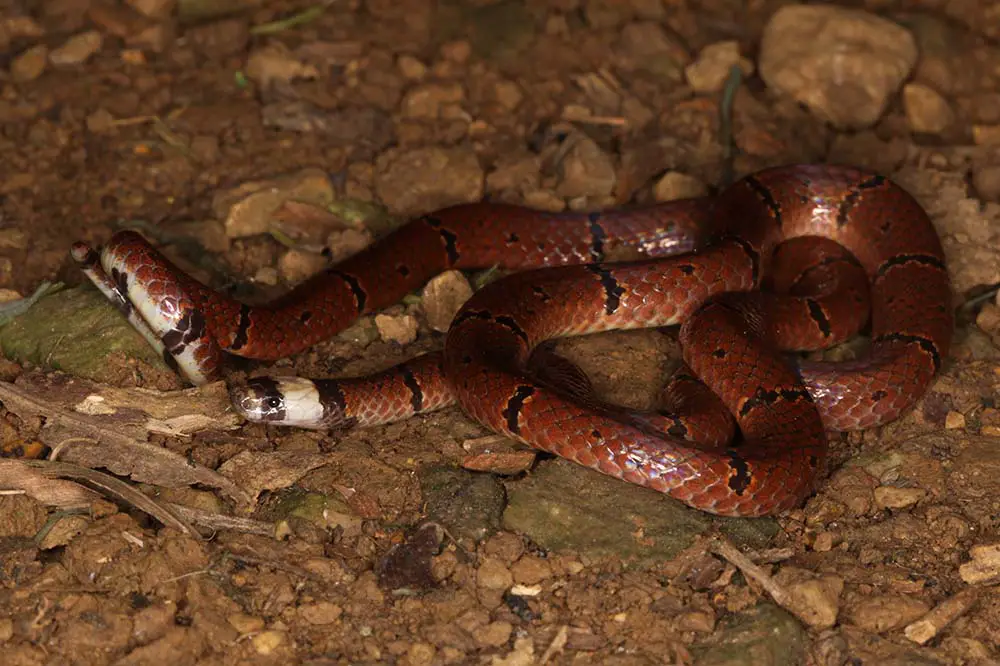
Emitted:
pixel 786 260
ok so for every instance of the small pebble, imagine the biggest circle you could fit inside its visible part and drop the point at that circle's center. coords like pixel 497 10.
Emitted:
pixel 494 575
pixel 530 570
pixel 443 296
pixel 986 180
pixel 457 51
pixel 493 634
pixel 77 49
pixel 297 265
pixel 29 65
pixel 411 68
pixel 509 94
pixel 823 542
pixel 267 642
pixel 891 497
pixel 401 329
pixel 983 135
pixel 984 567
pixel 887 612
pixel 700 621
pixel 709 72
pixel 245 624
pixel 419 654
pixel 926 111
pixel 322 612
pixel 505 546
pixel 813 599
pixel 675 185
pixel 954 420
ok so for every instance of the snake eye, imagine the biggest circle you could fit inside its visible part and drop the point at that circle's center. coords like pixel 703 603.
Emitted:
pixel 274 402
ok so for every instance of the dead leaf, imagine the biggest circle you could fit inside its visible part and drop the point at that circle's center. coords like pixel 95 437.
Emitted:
pixel 256 471
pixel 66 495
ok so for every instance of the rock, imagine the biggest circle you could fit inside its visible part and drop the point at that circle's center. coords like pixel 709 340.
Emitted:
pixel 494 634
pixel 442 298
pixel 984 567
pixel 266 642
pixel 248 208
pixel 419 654
pixel 565 506
pixel 275 62
pixel 954 420
pixel 927 112
pixel 155 38
pixel 426 179
pixel 154 9
pixel 457 51
pixel 515 172
pixel 321 612
pixel 844 64
pixel 365 130
pixel 765 635
pixel 546 200
pixel 586 170
pixel 116 19
pixel 411 564
pixel 823 542
pixel 468 505
pixel 675 185
pixel 829 649
pixel 411 67
pixel 219 39
pixel 508 94
pixel 493 574
pixel 504 546
pixel 399 329
pixel 986 135
pixel 295 266
pixel 700 621
pixel 107 349
pixel 77 49
pixel 986 179
pixel 495 31
pixel 942 615
pixel 30 64
pixel 709 72
pixel 245 624
pixel 645 46
pixel 426 101
pixel 530 570
pixel 813 598
pixel 853 487
pixel 891 497
pixel 886 612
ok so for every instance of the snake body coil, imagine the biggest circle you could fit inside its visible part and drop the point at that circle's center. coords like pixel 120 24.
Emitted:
pixel 706 260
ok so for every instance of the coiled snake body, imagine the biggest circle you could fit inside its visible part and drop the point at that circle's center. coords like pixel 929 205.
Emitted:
pixel 704 262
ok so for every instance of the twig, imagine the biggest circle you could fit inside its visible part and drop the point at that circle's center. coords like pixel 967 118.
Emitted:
pixel 726 123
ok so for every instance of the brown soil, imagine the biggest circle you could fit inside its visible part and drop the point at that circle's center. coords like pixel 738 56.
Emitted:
pixel 374 547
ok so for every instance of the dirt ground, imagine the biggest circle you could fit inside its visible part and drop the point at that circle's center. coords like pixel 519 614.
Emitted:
pixel 257 141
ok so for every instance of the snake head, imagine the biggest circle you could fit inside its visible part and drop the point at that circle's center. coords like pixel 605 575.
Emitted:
pixel 288 401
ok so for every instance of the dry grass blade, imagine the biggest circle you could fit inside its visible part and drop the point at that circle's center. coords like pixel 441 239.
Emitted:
pixel 219 521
